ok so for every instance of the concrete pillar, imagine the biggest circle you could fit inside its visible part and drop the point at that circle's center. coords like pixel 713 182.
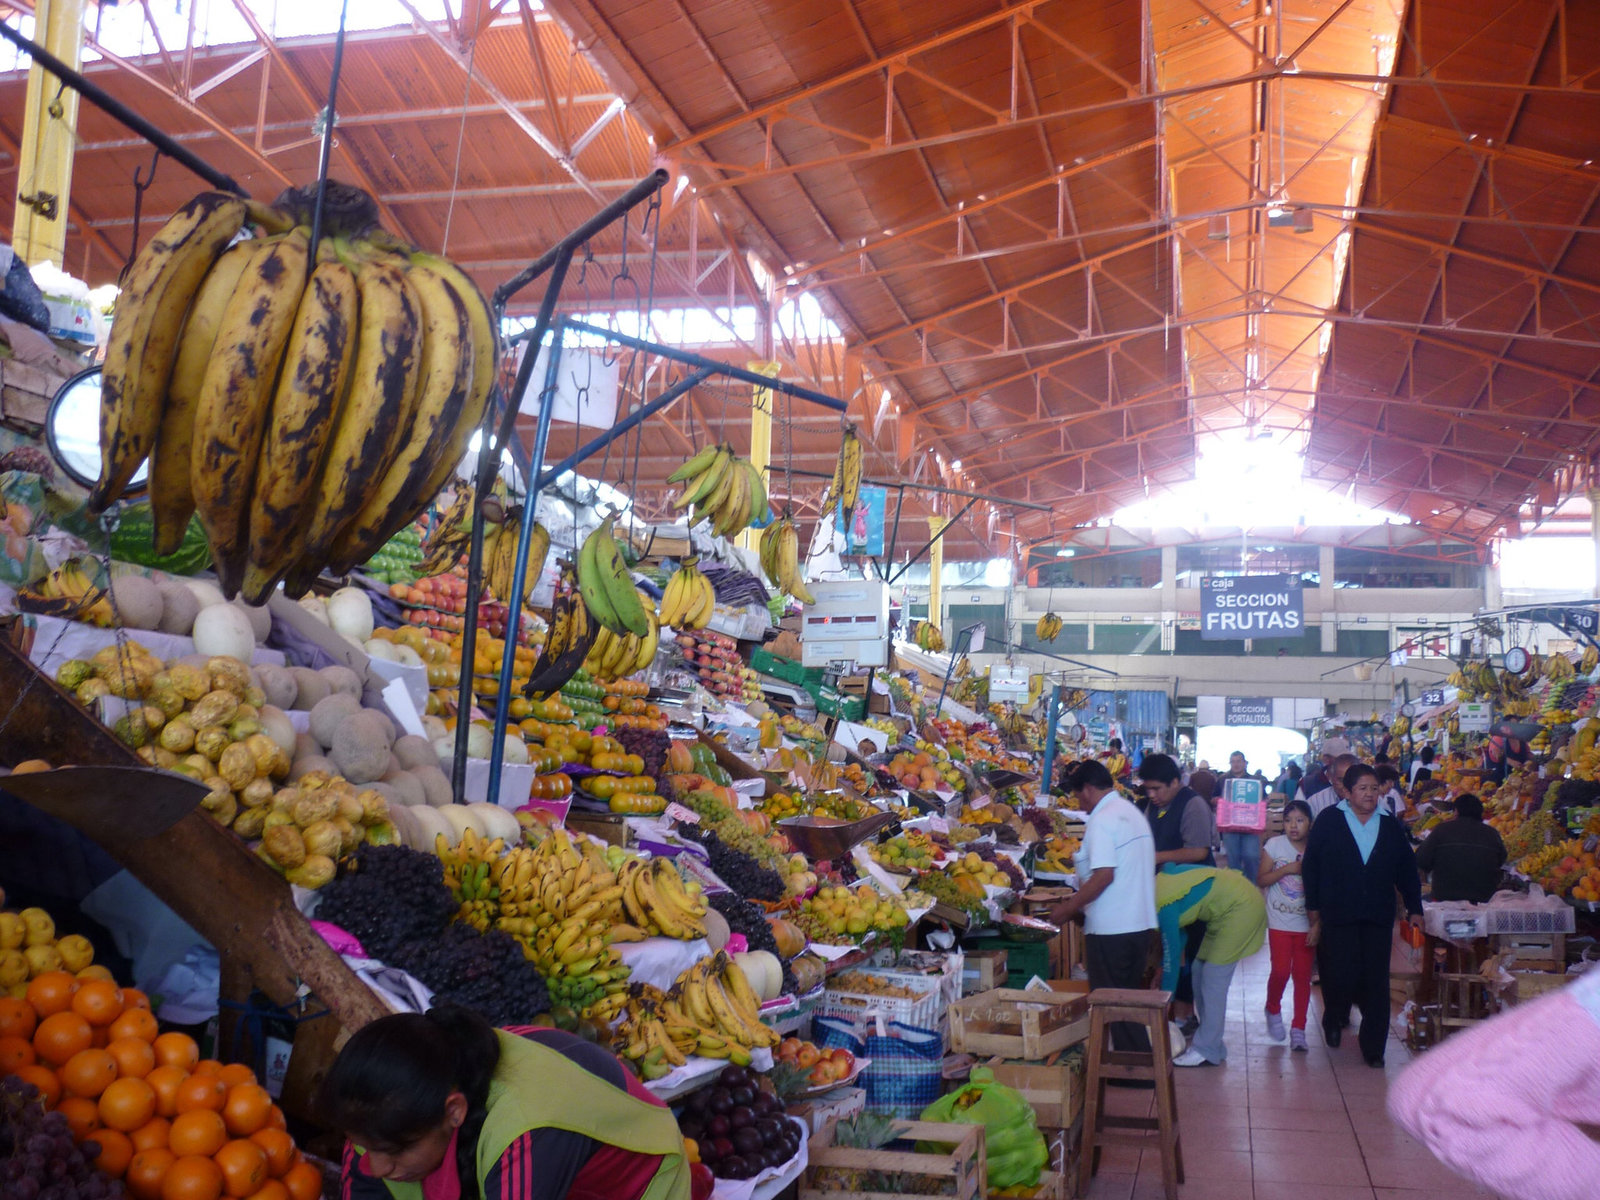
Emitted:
pixel 935 570
pixel 1329 598
pixel 48 137
pixel 1491 585
pixel 1594 531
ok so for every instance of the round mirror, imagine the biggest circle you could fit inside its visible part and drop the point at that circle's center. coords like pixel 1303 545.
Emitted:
pixel 72 431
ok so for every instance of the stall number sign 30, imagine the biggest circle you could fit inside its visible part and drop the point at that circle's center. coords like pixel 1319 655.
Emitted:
pixel 1235 607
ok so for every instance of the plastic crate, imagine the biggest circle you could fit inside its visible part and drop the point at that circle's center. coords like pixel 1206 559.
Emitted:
pixel 1024 960
pixel 775 665
pixel 922 1012
pixel 833 704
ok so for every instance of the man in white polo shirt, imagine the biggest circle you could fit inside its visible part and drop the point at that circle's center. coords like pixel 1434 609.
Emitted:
pixel 1116 890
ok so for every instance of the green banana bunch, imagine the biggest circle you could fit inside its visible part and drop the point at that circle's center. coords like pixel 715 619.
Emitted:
pixel 928 637
pixel 607 585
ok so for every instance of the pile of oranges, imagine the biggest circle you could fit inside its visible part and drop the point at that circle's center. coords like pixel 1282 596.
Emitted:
pixel 170 1126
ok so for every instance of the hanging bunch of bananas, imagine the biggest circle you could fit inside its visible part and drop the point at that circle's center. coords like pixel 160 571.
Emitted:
pixel 723 488
pixel 973 692
pixel 72 591
pixel 780 559
pixel 688 599
pixel 500 555
pixel 573 633
pixel 469 872
pixel 1401 727
pixel 1589 661
pixel 607 584
pixel 307 410
pixel 1558 667
pixel 964 668
pixel 562 903
pixel 612 657
pixel 928 636
pixel 714 998
pixel 451 536
pixel 656 902
pixel 845 489
pixel 1049 628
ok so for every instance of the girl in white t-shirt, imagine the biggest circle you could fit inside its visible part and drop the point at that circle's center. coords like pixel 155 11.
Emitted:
pixel 1287 925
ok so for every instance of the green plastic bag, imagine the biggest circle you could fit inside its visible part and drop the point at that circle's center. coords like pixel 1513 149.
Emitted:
pixel 1012 1142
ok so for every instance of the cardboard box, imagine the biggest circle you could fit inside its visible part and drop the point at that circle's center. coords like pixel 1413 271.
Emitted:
pixel 610 828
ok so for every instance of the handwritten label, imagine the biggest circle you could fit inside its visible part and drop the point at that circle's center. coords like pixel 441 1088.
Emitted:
pixel 938 825
pixel 679 813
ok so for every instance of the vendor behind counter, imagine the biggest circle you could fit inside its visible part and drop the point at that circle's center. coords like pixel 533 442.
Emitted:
pixel 1463 857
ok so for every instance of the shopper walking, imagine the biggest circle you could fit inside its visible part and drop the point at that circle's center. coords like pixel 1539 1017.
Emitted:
pixel 1287 926
pixel 1331 795
pixel 1235 919
pixel 1423 762
pixel 1356 859
pixel 1116 891
pixel 1316 776
pixel 1505 1104
pixel 1240 843
pixel 1463 857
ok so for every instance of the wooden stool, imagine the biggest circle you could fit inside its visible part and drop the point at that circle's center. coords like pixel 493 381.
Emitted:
pixel 1107 1006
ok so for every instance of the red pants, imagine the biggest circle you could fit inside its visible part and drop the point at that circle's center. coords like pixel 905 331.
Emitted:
pixel 1291 957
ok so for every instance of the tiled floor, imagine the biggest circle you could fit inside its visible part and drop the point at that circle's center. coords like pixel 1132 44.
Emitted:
pixel 1274 1124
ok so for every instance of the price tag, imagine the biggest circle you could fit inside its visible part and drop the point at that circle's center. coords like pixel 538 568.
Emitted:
pixel 938 825
pixel 979 802
pixel 679 813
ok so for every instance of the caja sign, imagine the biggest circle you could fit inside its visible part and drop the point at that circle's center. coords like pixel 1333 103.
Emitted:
pixel 1235 607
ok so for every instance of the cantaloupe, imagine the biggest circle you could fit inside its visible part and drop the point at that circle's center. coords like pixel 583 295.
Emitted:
pixel 137 601
pixel 179 608
pixel 435 785
pixel 331 712
pixel 414 752
pixel 361 748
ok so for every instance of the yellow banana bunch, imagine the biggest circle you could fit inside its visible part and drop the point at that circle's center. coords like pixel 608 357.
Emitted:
pixel 928 637
pixel 656 901
pixel 688 599
pixel 715 998
pixel 612 657
pixel 1049 628
pixel 1589 661
pixel 451 535
pixel 306 410
pixel 845 489
pixel 500 555
pixel 561 902
pixel 780 559
pixel 1558 667
pixel 650 1038
pixel 722 488
pixel 72 591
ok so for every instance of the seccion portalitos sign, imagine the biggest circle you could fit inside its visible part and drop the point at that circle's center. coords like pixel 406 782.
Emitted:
pixel 1235 607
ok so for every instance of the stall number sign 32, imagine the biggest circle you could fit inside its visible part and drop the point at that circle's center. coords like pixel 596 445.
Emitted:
pixel 1235 607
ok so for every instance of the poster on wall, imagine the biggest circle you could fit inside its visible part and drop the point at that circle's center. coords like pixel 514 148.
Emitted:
pixel 1236 607
pixel 863 525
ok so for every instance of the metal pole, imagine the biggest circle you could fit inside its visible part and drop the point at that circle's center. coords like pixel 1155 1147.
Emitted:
pixel 118 111
pixel 326 150
pixel 643 190
pixel 721 368
pixel 1052 713
pixel 519 574
pixel 488 468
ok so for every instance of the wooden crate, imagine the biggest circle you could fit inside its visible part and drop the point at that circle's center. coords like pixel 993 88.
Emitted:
pixel 1534 951
pixel 1012 1023
pixel 960 1172
pixel 1055 1091
pixel 1066 951
pixel 983 971
pixel 1533 984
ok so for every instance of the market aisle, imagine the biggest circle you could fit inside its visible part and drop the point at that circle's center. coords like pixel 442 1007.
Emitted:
pixel 1282 1126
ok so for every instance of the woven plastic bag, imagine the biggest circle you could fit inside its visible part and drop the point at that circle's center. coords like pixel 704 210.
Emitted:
pixel 906 1062
pixel 1013 1145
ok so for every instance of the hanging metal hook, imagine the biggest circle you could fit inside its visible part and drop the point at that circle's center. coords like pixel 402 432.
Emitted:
pixel 140 186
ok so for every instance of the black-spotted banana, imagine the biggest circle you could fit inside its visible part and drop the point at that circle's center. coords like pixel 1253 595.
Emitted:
pixel 236 397
pixel 788 561
pixel 171 490
pixel 383 385
pixel 447 370
pixel 150 314
pixel 849 470
pixel 305 411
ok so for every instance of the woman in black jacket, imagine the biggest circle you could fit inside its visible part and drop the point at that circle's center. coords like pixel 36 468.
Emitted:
pixel 1356 859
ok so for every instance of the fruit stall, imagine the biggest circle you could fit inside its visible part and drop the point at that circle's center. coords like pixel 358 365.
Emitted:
pixel 343 725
